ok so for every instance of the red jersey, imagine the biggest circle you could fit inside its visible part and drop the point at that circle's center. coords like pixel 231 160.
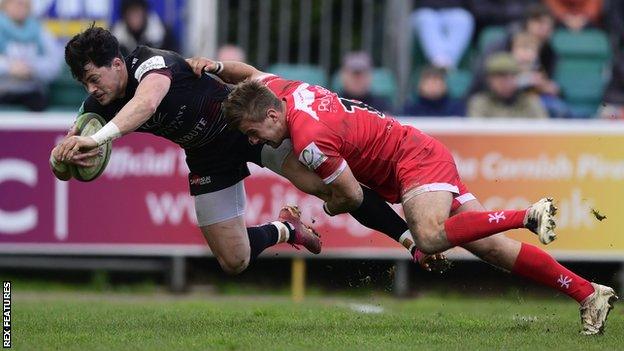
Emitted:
pixel 328 132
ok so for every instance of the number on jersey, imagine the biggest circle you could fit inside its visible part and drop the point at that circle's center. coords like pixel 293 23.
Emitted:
pixel 351 105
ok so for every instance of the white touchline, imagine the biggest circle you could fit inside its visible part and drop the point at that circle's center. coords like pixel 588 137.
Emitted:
pixel 60 209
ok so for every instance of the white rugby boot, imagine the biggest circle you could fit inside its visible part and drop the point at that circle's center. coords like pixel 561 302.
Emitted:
pixel 595 309
pixel 540 219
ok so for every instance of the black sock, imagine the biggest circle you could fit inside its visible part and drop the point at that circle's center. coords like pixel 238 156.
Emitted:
pixel 291 232
pixel 260 238
pixel 375 213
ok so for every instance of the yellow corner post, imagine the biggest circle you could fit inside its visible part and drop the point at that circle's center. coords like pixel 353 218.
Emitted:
pixel 298 273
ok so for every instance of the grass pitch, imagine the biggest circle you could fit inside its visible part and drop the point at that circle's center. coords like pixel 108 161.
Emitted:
pixel 93 321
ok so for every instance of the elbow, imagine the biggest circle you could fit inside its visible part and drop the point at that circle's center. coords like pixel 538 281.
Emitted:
pixel 150 106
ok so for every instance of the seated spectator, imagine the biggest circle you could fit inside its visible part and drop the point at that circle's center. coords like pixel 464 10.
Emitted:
pixel 444 29
pixel 139 26
pixel 230 52
pixel 531 77
pixel 356 77
pixel 539 23
pixel 613 100
pixel 432 98
pixel 29 57
pixel 503 97
pixel 576 14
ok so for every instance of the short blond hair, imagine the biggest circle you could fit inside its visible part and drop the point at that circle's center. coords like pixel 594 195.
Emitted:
pixel 249 102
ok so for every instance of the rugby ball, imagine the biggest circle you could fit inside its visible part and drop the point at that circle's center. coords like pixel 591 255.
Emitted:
pixel 87 124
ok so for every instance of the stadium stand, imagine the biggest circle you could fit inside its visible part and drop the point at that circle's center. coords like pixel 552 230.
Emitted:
pixel 583 57
pixel 384 83
pixel 65 92
pixel 307 73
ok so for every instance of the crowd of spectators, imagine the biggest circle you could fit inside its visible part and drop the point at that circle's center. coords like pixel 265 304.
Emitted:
pixel 30 58
pixel 513 75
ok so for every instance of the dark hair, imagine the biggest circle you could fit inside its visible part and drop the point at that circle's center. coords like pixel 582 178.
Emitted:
pixel 96 45
pixel 249 101
pixel 536 11
pixel 128 4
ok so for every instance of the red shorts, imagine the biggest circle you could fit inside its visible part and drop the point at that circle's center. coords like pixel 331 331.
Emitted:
pixel 431 168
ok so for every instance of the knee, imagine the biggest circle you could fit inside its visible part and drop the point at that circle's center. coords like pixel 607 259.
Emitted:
pixel 429 238
pixel 234 264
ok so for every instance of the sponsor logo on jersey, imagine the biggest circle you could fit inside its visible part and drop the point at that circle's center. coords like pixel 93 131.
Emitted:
pixel 150 64
pixel 197 180
pixel 312 156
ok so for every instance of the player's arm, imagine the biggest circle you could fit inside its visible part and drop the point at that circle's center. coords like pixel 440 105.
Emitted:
pixel 346 193
pixel 149 93
pixel 232 72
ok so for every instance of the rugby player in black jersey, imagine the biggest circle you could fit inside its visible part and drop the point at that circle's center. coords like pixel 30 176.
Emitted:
pixel 155 91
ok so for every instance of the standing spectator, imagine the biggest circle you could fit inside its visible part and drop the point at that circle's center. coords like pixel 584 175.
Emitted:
pixel 539 23
pixel 432 98
pixel 444 28
pixel 29 57
pixel 503 97
pixel 139 26
pixel 356 77
pixel 231 52
pixel 576 14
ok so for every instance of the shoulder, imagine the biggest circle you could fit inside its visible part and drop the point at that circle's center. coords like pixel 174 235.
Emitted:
pixel 145 59
pixel 305 128
pixel 278 85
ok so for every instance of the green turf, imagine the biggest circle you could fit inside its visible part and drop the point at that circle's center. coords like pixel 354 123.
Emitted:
pixel 90 321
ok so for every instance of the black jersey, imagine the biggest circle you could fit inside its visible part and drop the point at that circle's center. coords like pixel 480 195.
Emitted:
pixel 189 115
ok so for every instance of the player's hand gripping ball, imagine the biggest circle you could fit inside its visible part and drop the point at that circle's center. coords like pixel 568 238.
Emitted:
pixel 86 125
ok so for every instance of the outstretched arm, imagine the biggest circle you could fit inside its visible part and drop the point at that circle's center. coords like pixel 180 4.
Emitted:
pixel 150 92
pixel 232 72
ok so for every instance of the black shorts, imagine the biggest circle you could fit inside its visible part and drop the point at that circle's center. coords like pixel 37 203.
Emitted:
pixel 221 163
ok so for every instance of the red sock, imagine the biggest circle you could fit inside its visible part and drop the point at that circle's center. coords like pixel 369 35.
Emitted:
pixel 470 226
pixel 539 266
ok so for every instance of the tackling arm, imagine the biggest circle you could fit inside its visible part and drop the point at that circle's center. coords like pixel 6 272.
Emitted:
pixel 231 72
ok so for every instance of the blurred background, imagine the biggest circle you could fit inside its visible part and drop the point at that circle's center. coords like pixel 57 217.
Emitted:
pixel 528 95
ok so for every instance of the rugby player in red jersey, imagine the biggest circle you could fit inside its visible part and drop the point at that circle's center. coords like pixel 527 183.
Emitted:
pixel 347 143
pixel 155 91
